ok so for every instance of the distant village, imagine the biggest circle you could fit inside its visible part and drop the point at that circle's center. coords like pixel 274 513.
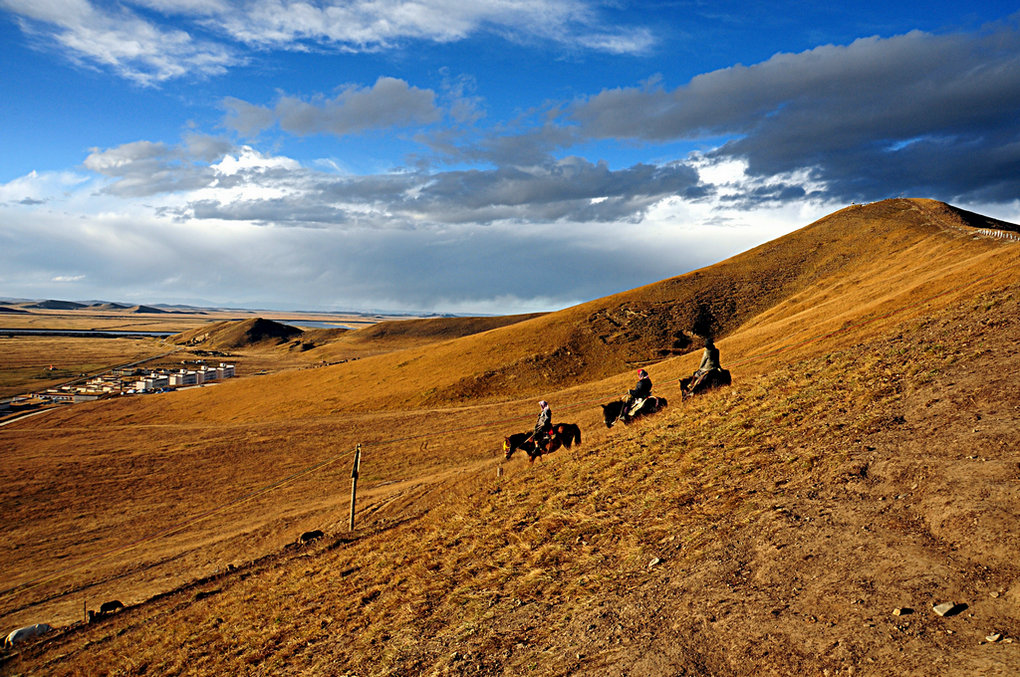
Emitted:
pixel 132 381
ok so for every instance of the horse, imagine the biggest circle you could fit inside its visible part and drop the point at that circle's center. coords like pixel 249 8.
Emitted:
pixel 562 435
pixel 567 434
pixel 613 411
pixel 696 383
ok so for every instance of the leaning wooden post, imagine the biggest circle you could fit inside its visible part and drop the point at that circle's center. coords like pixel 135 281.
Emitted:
pixel 354 482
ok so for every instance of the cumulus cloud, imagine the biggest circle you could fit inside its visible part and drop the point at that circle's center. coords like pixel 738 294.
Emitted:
pixel 919 113
pixel 389 103
pixel 146 168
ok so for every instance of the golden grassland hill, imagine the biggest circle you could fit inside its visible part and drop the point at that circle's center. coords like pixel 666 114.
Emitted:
pixel 803 521
pixel 858 263
pixel 888 371
pixel 231 334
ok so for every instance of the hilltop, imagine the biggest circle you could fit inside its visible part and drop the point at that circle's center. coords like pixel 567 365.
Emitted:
pixel 230 334
pixel 863 463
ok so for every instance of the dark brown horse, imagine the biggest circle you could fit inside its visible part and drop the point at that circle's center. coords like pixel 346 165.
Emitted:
pixel 699 382
pixel 614 411
pixel 562 435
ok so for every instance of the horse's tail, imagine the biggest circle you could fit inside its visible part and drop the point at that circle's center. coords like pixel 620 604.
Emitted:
pixel 577 434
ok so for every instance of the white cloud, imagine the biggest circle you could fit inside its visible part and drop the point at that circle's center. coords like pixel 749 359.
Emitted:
pixel 402 241
pixel 39 187
pixel 119 39
pixel 250 159
pixel 379 24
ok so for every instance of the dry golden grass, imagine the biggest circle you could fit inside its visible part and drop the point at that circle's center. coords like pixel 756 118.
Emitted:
pixel 771 506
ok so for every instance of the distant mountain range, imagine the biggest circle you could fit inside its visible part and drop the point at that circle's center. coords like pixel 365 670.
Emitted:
pixel 10 304
pixel 22 306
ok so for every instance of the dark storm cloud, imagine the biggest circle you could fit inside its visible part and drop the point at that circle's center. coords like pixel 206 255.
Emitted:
pixel 916 113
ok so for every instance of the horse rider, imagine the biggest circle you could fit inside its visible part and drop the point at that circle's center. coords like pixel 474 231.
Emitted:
pixel 709 363
pixel 639 393
pixel 543 426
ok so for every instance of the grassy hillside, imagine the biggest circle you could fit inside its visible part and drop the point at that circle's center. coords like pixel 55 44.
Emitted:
pixel 232 334
pixel 864 461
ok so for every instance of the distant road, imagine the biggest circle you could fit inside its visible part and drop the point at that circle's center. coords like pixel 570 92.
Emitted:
pixel 24 416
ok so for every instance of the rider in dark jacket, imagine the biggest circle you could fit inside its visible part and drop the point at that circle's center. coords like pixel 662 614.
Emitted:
pixel 641 391
pixel 643 388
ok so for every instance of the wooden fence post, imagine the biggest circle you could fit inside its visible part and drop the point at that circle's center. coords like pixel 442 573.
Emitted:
pixel 354 482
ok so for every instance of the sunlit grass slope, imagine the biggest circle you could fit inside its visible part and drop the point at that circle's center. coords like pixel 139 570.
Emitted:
pixel 768 528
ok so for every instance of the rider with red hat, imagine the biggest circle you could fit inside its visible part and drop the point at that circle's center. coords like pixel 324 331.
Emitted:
pixel 639 393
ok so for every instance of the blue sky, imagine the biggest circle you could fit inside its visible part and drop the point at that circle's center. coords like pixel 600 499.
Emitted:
pixel 489 157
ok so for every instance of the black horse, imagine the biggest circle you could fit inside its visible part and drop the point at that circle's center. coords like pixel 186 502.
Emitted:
pixel 562 435
pixel 614 411
pixel 696 383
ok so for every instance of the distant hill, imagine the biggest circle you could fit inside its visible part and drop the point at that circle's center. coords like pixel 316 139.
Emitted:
pixel 51 304
pixel 145 309
pixel 234 334
pixel 107 305
pixel 181 308
pixel 7 309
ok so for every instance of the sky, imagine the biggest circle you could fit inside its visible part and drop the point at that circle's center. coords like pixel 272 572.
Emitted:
pixel 484 157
